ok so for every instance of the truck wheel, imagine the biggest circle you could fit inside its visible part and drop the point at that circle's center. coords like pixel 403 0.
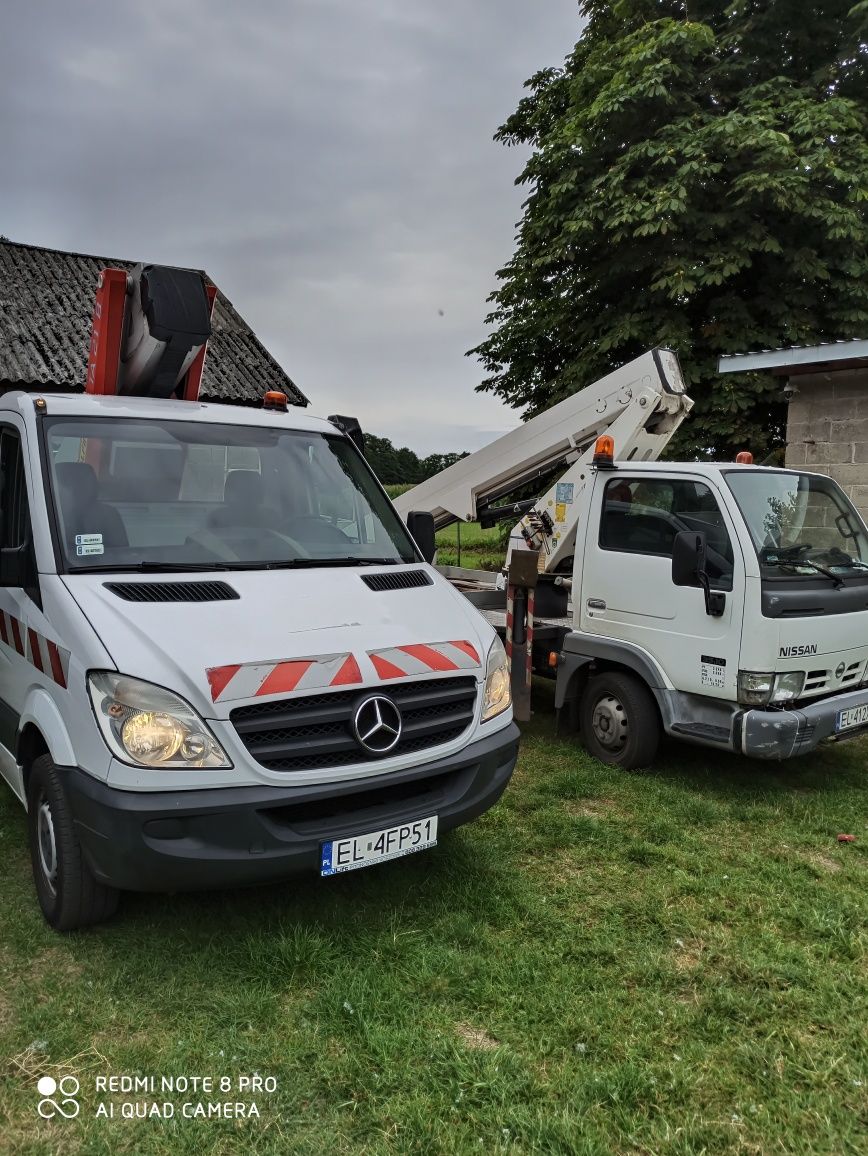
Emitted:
pixel 619 721
pixel 68 894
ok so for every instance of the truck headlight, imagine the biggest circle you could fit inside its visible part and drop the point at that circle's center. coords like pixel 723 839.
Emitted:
pixel 755 687
pixel 149 726
pixel 788 686
pixel 497 697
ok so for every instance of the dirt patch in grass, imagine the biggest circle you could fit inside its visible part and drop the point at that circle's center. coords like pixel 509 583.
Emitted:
pixel 592 808
pixel 6 1013
pixel 55 961
pixel 688 997
pixel 476 1038
pixel 34 1061
pixel 688 953
pixel 823 862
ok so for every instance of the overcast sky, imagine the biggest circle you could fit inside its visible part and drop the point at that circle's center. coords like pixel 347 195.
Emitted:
pixel 329 162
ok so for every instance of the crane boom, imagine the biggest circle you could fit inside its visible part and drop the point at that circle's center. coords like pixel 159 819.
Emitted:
pixel 640 405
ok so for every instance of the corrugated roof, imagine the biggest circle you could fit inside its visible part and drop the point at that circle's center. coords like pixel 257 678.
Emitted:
pixel 46 304
pixel 850 349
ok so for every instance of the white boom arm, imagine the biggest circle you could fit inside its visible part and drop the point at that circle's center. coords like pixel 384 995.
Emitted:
pixel 640 405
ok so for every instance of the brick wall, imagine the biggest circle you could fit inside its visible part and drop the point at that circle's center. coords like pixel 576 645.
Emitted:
pixel 827 429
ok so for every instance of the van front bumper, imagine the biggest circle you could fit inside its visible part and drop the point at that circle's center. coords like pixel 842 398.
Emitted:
pixel 235 836
pixel 781 734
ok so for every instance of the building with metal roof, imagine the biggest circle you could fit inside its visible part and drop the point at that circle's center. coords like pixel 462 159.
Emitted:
pixel 827 356
pixel 46 306
pixel 827 418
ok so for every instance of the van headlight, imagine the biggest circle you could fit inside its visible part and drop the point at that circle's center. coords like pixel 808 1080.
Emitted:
pixel 149 726
pixel 497 697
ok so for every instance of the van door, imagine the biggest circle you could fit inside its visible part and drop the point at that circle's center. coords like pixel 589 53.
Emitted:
pixel 28 656
pixel 627 590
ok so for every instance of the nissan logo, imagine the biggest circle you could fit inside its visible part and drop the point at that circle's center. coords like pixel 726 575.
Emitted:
pixel 377 725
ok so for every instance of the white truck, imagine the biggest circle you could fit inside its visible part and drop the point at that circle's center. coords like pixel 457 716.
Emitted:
pixel 223 657
pixel 725 604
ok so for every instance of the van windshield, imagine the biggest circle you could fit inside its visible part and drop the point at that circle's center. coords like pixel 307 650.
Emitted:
pixel 184 495
pixel 801 524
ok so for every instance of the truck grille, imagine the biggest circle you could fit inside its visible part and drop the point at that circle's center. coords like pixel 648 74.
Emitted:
pixel 315 731
pixel 823 682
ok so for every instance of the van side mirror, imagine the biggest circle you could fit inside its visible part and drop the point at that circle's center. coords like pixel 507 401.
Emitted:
pixel 688 569
pixel 14 565
pixel 688 557
pixel 420 523
pixel 350 426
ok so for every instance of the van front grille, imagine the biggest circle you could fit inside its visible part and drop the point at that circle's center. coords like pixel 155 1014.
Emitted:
pixel 314 732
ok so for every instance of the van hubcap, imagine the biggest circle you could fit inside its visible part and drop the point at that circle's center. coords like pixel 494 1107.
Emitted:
pixel 47 844
pixel 609 723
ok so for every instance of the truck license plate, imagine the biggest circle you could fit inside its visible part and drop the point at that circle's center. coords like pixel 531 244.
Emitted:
pixel 854 716
pixel 378 846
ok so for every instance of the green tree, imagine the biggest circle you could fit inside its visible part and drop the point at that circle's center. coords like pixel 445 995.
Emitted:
pixel 698 179
pixel 402 466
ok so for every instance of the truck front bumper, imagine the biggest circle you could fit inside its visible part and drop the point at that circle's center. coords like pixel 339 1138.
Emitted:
pixel 235 836
pixel 781 734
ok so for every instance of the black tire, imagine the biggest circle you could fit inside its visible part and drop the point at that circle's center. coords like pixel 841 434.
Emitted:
pixel 68 894
pixel 619 721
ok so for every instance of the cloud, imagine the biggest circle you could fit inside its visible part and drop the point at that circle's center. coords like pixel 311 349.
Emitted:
pixel 329 162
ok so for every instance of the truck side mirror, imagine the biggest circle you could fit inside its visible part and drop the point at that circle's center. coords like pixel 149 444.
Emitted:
pixel 688 557
pixel 688 569
pixel 420 523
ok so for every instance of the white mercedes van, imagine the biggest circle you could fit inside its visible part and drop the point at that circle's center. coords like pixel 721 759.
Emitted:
pixel 223 658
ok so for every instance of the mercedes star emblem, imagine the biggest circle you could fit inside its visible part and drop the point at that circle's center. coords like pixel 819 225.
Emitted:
pixel 377 725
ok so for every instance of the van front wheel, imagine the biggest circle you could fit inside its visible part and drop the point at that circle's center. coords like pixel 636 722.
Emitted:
pixel 619 721
pixel 68 893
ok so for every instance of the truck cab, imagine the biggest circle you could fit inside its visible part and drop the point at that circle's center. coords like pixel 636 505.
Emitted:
pixel 725 604
pixel 223 658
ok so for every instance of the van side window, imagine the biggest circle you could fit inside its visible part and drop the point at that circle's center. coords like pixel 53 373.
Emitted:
pixel 643 515
pixel 14 514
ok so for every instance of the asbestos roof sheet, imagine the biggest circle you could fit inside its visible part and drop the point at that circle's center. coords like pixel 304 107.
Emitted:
pixel 46 305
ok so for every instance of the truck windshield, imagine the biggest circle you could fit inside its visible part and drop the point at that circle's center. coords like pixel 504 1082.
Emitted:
pixel 801 524
pixel 185 495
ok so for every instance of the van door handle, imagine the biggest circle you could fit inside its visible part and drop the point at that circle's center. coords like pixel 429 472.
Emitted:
pixel 596 604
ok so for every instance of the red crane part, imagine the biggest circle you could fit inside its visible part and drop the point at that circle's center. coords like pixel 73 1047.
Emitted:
pixel 107 332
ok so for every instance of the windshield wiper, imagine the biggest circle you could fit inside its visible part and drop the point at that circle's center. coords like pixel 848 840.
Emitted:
pixel 152 568
pixel 791 565
pixel 842 559
pixel 311 563
pixel 204 567
pixel 772 554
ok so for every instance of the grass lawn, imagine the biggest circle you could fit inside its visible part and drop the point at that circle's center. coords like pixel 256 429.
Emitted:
pixel 480 549
pixel 670 962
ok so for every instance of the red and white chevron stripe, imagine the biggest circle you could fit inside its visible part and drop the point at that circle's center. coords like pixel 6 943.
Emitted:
pixel 42 652
pixel 254 679
pixel 423 658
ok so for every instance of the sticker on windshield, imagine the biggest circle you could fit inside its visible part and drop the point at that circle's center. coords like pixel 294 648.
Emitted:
pixel 88 544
